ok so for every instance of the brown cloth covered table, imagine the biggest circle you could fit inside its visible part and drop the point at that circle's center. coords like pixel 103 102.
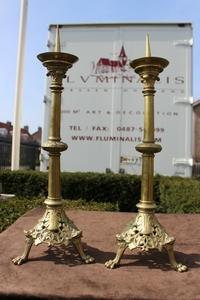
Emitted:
pixel 58 273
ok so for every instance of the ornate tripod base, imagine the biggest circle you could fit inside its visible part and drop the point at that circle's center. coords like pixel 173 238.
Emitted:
pixel 55 228
pixel 146 234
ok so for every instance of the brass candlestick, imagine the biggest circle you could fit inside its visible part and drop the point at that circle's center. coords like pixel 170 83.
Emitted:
pixel 145 232
pixel 54 228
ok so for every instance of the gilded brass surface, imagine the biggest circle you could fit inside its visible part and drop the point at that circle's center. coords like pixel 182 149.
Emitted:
pixel 55 228
pixel 145 232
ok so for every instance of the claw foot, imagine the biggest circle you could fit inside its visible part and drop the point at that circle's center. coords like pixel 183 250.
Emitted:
pixel 176 266
pixel 181 268
pixel 88 259
pixel 111 264
pixel 19 260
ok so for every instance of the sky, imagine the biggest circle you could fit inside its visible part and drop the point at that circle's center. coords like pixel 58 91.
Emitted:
pixel 42 13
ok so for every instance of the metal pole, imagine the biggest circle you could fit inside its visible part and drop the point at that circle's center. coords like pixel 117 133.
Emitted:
pixel 19 87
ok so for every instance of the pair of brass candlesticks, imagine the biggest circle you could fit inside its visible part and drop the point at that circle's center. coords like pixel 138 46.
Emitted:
pixel 55 228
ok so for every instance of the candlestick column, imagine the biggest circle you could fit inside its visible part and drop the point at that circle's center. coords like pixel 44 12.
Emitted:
pixel 145 232
pixel 55 228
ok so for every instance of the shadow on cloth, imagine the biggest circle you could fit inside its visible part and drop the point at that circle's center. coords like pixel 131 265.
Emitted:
pixel 49 297
pixel 160 260
pixel 153 260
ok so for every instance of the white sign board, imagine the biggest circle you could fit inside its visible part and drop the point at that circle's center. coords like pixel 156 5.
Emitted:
pixel 102 101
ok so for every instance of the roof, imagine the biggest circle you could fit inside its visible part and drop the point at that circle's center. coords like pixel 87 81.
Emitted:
pixel 179 24
pixel 104 61
pixel 6 125
pixel 9 128
pixel 122 52
pixel 196 103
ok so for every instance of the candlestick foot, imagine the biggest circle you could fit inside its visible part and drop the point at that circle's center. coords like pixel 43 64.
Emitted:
pixel 55 228
pixel 145 233
pixel 86 258
pixel 19 260
pixel 176 266
pixel 113 263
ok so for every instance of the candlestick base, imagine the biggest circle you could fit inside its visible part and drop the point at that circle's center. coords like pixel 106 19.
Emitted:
pixel 55 228
pixel 146 234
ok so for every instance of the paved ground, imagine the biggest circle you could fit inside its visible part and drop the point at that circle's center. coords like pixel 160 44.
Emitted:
pixel 58 274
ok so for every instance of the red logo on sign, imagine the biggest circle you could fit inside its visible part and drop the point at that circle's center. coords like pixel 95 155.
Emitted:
pixel 106 65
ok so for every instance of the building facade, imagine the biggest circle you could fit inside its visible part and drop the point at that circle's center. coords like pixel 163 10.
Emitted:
pixel 29 147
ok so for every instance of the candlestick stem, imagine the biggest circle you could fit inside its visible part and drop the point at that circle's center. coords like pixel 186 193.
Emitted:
pixel 55 228
pixel 145 232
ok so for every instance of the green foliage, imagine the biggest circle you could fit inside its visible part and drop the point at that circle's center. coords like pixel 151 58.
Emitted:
pixel 92 205
pixel 113 188
pixel 24 183
pixel 171 194
pixel 119 189
pixel 13 208
pixel 179 195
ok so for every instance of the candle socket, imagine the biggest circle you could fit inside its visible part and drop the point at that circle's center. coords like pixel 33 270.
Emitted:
pixel 145 232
